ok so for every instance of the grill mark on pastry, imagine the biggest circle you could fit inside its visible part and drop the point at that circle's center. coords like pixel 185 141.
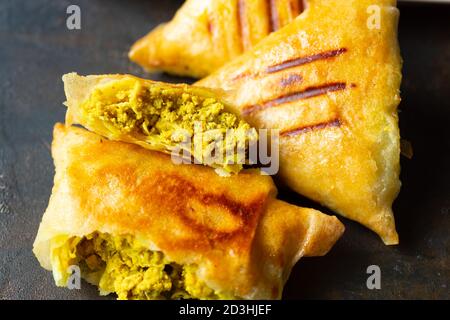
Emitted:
pixel 210 27
pixel 242 75
pixel 334 123
pixel 301 6
pixel 274 23
pixel 296 7
pixel 295 62
pixel 309 92
pixel 305 60
pixel 293 6
pixel 242 25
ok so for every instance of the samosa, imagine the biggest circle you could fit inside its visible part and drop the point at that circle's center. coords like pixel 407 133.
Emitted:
pixel 329 81
pixel 205 34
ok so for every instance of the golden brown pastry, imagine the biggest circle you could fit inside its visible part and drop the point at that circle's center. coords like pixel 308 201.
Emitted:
pixel 140 226
pixel 160 116
pixel 205 34
pixel 330 82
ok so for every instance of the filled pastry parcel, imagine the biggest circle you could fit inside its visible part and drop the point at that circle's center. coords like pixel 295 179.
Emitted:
pixel 329 81
pixel 205 34
pixel 160 116
pixel 142 227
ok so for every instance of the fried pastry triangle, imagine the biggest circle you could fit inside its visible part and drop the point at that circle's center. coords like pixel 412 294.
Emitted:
pixel 330 82
pixel 124 213
pixel 205 34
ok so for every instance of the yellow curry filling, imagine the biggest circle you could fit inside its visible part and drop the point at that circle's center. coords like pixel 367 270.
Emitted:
pixel 164 116
pixel 122 265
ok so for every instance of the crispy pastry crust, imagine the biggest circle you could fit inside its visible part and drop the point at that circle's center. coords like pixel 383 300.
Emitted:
pixel 244 240
pixel 330 82
pixel 205 34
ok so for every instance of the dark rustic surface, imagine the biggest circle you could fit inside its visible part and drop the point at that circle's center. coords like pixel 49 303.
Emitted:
pixel 36 49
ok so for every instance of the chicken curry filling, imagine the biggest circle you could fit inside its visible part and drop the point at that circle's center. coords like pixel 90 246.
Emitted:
pixel 122 265
pixel 169 117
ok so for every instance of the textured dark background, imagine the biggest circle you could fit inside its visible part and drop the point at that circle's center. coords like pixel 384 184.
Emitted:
pixel 36 49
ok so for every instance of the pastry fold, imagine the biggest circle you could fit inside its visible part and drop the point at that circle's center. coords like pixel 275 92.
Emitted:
pixel 205 34
pixel 190 122
pixel 330 82
pixel 143 227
